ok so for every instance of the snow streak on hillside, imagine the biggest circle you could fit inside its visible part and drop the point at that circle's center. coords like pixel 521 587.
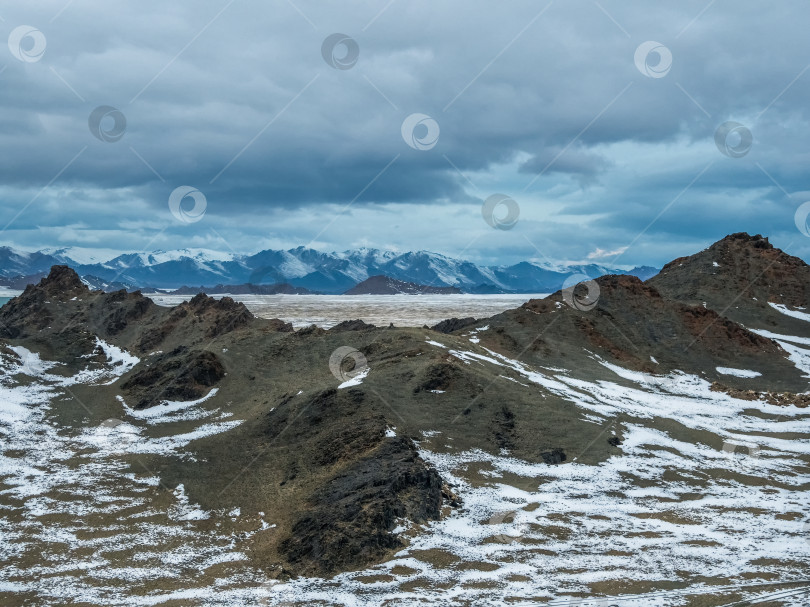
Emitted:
pixel 672 511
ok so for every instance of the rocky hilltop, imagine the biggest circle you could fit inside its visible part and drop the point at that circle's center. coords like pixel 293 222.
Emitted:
pixel 385 285
pixel 331 420
pixel 740 277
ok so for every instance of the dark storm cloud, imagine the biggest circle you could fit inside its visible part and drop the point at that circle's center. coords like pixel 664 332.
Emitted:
pixel 236 99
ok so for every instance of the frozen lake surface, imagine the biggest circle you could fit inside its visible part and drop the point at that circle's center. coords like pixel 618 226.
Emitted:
pixel 402 310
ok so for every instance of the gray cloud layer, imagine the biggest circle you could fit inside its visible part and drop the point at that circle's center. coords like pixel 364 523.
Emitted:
pixel 235 99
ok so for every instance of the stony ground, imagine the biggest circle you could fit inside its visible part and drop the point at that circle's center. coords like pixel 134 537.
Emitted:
pixel 200 455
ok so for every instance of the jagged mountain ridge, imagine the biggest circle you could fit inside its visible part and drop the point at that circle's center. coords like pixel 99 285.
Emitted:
pixel 301 267
pixel 383 285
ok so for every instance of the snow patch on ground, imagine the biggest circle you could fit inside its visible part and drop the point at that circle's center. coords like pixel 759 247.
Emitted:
pixel 788 312
pixel 657 510
pixel 435 343
pixel 163 412
pixel 800 357
pixel 356 380
pixel 738 372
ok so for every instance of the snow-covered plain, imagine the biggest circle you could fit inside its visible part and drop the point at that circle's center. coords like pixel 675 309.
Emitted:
pixel 668 517
pixel 381 310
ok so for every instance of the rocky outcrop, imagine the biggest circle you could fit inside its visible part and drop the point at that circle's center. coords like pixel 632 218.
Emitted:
pixel 738 277
pixel 348 523
pixel 631 323
pixel 385 285
pixel 453 324
pixel 783 399
pixel 180 375
pixel 32 311
pixel 351 325
pixel 340 468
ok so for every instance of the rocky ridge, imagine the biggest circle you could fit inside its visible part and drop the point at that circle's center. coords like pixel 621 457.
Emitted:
pixel 333 453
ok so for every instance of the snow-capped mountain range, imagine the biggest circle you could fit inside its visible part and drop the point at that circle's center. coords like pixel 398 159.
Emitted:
pixel 300 267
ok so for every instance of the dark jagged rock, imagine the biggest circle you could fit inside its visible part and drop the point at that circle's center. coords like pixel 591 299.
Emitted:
pixel 339 468
pixel 278 326
pixel 178 375
pixel 555 456
pixel 503 424
pixel 441 375
pixel 62 283
pixel 738 277
pixel 351 325
pixel 349 522
pixel 29 312
pixel 453 324
pixel 310 330
pixel 203 318
pixel 122 308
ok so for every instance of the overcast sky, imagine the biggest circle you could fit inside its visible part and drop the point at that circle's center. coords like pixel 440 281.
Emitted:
pixel 608 146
